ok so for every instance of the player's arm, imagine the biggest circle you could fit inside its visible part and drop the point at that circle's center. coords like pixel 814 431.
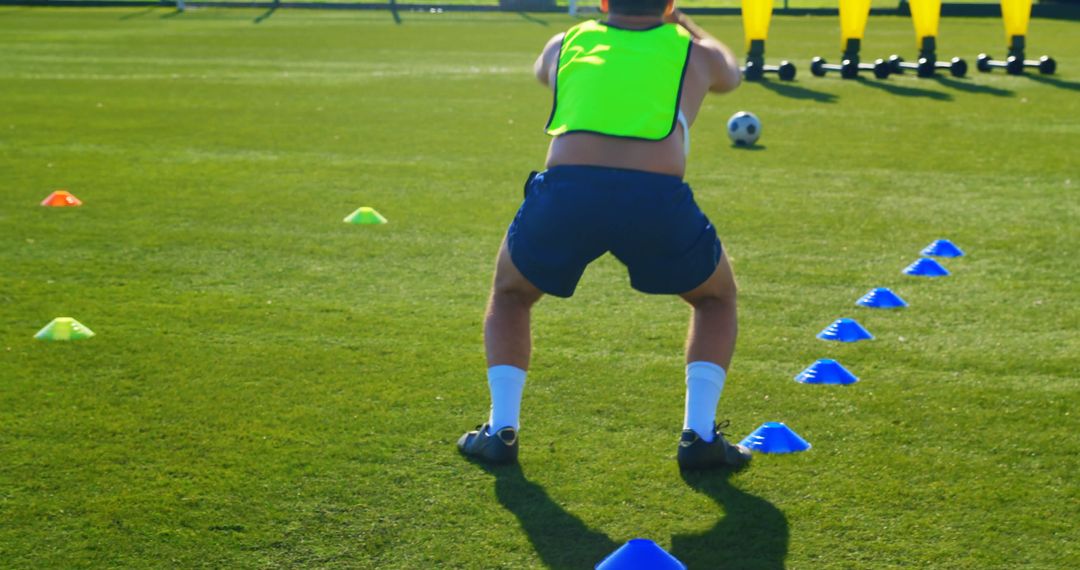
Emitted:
pixel 547 64
pixel 723 67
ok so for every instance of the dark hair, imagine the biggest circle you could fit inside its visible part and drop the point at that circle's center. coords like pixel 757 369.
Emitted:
pixel 637 7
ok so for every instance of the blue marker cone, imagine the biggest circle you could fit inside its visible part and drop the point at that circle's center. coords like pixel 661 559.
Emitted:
pixel 775 437
pixel 845 330
pixel 826 371
pixel 881 298
pixel 640 554
pixel 943 248
pixel 926 267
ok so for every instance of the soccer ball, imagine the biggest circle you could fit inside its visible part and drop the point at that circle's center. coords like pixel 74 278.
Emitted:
pixel 743 128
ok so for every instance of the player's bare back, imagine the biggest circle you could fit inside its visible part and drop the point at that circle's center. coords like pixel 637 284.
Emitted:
pixel 706 70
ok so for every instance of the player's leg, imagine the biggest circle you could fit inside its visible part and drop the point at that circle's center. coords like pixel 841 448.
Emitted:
pixel 508 344
pixel 673 249
pixel 550 242
pixel 709 347
pixel 713 325
pixel 507 338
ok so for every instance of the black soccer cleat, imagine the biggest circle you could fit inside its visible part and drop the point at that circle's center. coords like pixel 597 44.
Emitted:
pixel 696 453
pixel 481 445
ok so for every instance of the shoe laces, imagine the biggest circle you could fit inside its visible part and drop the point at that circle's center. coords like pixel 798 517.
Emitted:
pixel 721 425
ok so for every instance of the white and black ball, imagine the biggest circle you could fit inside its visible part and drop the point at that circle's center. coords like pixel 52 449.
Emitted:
pixel 744 128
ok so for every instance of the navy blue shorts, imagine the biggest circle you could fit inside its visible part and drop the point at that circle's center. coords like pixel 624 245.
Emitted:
pixel 574 214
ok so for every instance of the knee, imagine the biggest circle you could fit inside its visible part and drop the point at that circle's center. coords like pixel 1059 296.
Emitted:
pixel 715 304
pixel 720 298
pixel 506 293
pixel 509 288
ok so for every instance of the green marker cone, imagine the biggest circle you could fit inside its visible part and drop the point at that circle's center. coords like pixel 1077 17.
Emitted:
pixel 365 215
pixel 64 328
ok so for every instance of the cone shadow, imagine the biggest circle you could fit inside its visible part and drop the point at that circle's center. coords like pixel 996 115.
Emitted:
pixel 1059 83
pixel 787 89
pixel 561 540
pixel 969 87
pixel 903 91
pixel 752 532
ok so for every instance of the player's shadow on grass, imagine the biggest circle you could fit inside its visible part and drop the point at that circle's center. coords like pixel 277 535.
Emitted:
pixel 269 12
pixel 752 532
pixel 903 91
pixel 561 539
pixel 969 87
pixel 796 92
pixel 1070 85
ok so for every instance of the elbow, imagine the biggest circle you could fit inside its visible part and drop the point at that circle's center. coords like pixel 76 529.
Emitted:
pixel 728 74
pixel 542 75
pixel 734 74
pixel 735 79
pixel 738 72
pixel 728 83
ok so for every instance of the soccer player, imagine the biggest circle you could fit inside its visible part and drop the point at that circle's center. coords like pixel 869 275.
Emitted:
pixel 626 91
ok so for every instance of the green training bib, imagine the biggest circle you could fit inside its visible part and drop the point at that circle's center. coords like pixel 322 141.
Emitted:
pixel 619 82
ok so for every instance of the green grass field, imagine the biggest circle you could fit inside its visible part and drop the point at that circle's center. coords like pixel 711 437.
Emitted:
pixel 272 388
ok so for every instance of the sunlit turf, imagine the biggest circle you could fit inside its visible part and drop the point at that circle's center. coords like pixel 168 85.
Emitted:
pixel 271 387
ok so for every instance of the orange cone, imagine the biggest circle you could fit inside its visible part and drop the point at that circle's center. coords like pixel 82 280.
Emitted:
pixel 61 198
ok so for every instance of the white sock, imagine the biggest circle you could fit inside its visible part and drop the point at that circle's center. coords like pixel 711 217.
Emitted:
pixel 506 384
pixel 704 383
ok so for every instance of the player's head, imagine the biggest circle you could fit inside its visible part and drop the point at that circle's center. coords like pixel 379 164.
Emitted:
pixel 637 7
